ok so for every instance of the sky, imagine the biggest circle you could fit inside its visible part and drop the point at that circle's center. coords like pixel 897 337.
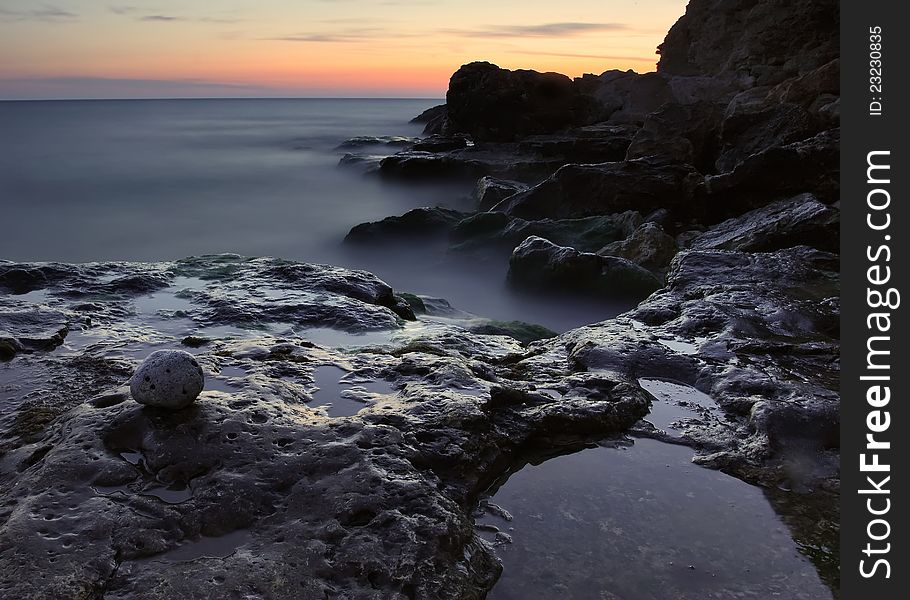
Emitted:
pixel 310 48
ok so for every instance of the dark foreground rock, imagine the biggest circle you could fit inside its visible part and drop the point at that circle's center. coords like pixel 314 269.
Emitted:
pixel 256 486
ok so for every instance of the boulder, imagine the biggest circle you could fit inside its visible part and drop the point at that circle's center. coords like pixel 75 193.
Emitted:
pixel 490 191
pixel 801 220
pixel 648 246
pixel 494 104
pixel 540 264
pixel 416 223
pixel 625 97
pixel 753 122
pixel 434 119
pixel 643 185
pixel 601 142
pixel 168 379
pixel 500 230
pixel 811 165
pixel 686 133
pixel 440 143
pixel 364 141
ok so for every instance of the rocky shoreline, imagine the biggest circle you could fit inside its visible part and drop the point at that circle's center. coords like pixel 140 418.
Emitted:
pixel 707 190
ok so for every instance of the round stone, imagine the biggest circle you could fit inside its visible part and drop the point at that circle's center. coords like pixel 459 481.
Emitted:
pixel 167 379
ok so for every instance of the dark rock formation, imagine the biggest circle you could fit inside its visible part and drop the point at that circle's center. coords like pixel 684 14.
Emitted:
pixel 494 104
pixel 647 246
pixel 419 222
pixel 434 119
pixel 539 263
pixel 802 220
pixel 382 140
pixel 498 229
pixel 643 185
pixel 499 160
pixel 440 143
pixel 811 165
pixel 490 191
pixel 253 488
pixel 686 133
pixel 765 40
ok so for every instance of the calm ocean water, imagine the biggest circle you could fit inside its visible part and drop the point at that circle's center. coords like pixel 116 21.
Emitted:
pixel 164 179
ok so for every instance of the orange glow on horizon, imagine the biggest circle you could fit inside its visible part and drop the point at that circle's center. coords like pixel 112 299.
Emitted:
pixel 277 47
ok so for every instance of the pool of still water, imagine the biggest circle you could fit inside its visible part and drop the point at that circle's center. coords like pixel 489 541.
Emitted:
pixel 641 522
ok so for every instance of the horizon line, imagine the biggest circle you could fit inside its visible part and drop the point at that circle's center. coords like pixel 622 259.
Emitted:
pixel 145 99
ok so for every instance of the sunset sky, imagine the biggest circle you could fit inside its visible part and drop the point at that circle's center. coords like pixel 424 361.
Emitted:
pixel 289 48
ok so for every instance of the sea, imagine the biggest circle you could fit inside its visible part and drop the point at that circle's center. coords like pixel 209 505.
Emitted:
pixel 153 180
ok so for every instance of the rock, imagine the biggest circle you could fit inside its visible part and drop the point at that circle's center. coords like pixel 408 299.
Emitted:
pixel 440 143
pixel 765 40
pixel 434 118
pixel 753 123
pixel 626 97
pixel 419 222
pixel 500 160
pixel 686 133
pixel 31 329
pixel 490 191
pixel 257 488
pixel 643 185
pixel 801 220
pixel 601 142
pixel 494 104
pixel 519 330
pixel 807 166
pixel 500 230
pixel 170 379
pixel 539 263
pixel 648 246
pixel 382 140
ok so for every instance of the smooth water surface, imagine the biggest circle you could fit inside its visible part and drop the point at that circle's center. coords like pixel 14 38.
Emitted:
pixel 157 180
pixel 642 523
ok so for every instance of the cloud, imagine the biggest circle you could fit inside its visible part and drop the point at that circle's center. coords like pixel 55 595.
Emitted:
pixel 553 30
pixel 47 13
pixel 345 35
pixel 543 30
pixel 144 14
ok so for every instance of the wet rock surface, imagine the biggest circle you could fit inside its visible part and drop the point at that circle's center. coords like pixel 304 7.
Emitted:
pixel 539 263
pixel 118 500
pixel 252 487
